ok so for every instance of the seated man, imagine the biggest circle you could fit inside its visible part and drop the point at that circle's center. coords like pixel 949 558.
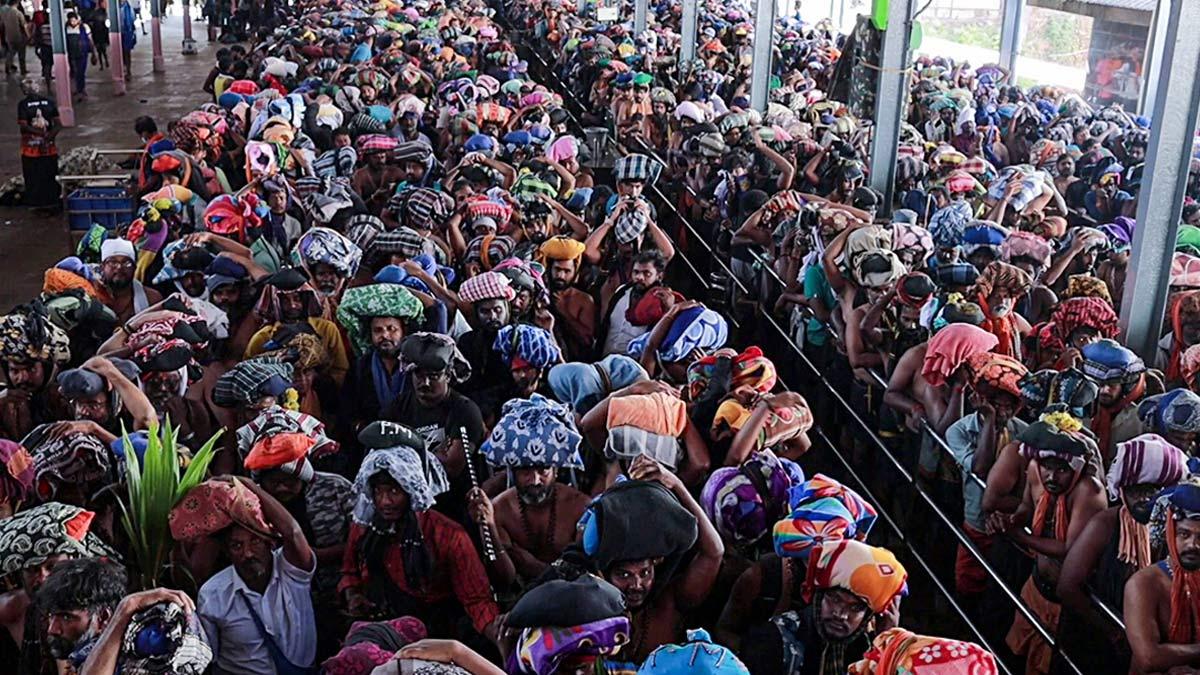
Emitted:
pixel 290 302
pixel 103 391
pixel 257 613
pixel 1121 378
pixel 30 359
pixel 1161 616
pixel 78 599
pixel 121 293
pixel 404 558
pixel 534 520
pixel 851 589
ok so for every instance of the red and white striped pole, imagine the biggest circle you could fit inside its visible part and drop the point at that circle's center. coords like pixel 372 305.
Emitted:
pixel 116 56
pixel 156 35
pixel 62 65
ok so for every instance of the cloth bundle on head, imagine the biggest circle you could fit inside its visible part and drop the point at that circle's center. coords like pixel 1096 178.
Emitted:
pixel 534 432
pixel 561 622
pixel 782 424
pixel 434 352
pixel 321 245
pixel 1026 245
pixel 76 459
pixel 646 424
pixel 950 348
pixel 362 303
pixel 561 247
pixel 523 345
pixel 878 269
pixel 897 651
pixel 697 328
pixel 214 505
pixel 948 223
pixel 742 502
pixel 1175 412
pixel 31 337
pixel 1070 388
pixel 1148 459
pixel 583 385
pixel 16 473
pixel 370 644
pixel 871 573
pixel 698 656
pixel 1108 361
pixel 283 439
pixel 1184 309
pixel 614 526
pixel 630 225
pixel 1057 435
pixel 1001 373
pixel 163 638
pixel 636 168
pixel 403 241
pixel 956 274
pixel 486 286
pixel 34 535
pixel 821 510
pixel 983 234
pixel 407 468
pixel 915 289
pixel 1075 313
pixel 912 240
pixel 249 381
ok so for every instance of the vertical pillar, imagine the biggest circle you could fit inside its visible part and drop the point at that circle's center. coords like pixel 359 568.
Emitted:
pixel 641 12
pixel 156 35
pixel 1152 64
pixel 689 23
pixel 62 65
pixel 1160 200
pixel 764 45
pixel 891 96
pixel 1012 30
pixel 189 45
pixel 116 57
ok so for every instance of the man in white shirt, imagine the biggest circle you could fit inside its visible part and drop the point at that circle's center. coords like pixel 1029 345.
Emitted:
pixel 258 612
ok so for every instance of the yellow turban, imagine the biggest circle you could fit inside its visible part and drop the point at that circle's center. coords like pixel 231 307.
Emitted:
pixel 562 248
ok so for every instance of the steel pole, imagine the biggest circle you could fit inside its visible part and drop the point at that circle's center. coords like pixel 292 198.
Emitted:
pixel 641 12
pixel 156 35
pixel 1160 200
pixel 688 25
pixel 1152 64
pixel 62 64
pixel 116 56
pixel 764 45
pixel 891 96
pixel 1012 30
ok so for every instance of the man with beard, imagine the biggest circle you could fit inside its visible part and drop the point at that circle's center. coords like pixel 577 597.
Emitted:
pixel 119 291
pixel 405 558
pixel 637 533
pixel 490 296
pixel 851 589
pixel 534 519
pixel 1062 494
pixel 1162 607
pixel 32 349
pixel 576 309
pixel 227 282
pixel 1121 378
pixel 291 304
pixel 1112 548
pixel 430 405
pixel 997 291
pixel 77 601
pixel 165 380
pixel 330 260
pixel 1175 416
pixel 376 318
pixel 257 613
pixel 104 392
pixel 36 541
pixel 618 330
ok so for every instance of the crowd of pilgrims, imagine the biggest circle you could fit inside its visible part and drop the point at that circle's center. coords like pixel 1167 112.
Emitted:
pixel 470 424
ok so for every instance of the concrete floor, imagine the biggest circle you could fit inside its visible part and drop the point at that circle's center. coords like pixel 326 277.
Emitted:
pixel 29 243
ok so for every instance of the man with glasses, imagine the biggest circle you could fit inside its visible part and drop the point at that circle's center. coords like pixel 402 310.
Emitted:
pixel 119 291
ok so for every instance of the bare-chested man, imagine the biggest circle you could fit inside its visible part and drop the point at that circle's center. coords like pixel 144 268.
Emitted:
pixel 1160 611
pixel 1062 493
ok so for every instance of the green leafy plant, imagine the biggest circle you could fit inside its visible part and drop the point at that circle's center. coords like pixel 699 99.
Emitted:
pixel 154 486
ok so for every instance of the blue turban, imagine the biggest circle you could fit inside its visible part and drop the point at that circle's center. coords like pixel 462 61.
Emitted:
pixel 695 328
pixel 534 345
pixel 534 432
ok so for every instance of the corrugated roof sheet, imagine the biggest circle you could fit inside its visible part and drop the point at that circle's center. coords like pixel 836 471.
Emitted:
pixel 1138 5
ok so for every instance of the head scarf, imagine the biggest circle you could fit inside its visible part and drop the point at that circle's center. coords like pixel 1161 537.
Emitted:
pixel 1002 373
pixel 698 656
pixel 249 381
pixel 71 459
pixel 34 535
pixel 434 352
pixel 1185 308
pixel 636 167
pixel 743 501
pixel 405 466
pixel 912 237
pixel 873 574
pixel 526 345
pixel 1075 313
pixel 362 303
pixel 1176 411
pixel 878 269
pixel 999 276
pixel 1146 459
pixel 950 348
pixel 321 245
pixel 810 525
pixel 583 385
pixel 214 505
pixel 534 432
pixel 897 651
pixel 698 328
pixel 486 286
pixel 956 274
pixel 561 248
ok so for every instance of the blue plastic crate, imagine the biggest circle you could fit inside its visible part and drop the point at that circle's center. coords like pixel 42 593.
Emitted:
pixel 104 206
